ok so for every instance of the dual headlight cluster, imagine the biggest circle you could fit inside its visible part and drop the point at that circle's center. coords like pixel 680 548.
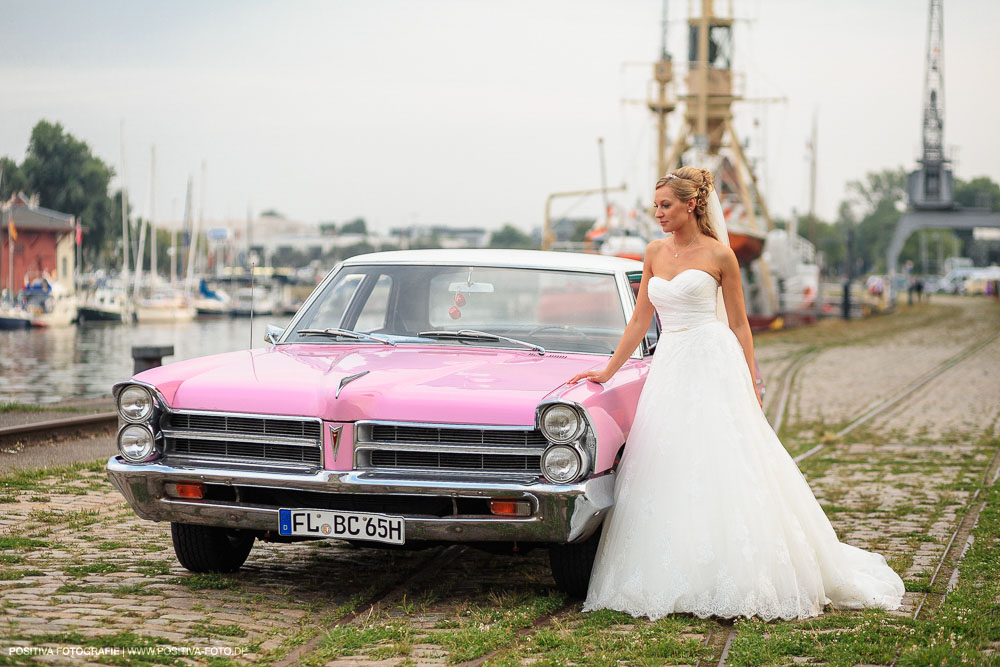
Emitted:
pixel 565 460
pixel 136 440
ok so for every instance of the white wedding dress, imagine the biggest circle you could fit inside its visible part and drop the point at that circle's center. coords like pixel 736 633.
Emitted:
pixel 711 514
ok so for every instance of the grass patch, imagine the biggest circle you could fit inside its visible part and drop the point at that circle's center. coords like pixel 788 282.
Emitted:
pixel 211 581
pixel 385 639
pixel 206 629
pixel 152 568
pixel 14 406
pixel 82 588
pixel 100 567
pixel 608 637
pixel 111 546
pixel 23 543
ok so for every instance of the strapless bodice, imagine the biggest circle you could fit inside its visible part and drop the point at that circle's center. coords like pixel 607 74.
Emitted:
pixel 685 301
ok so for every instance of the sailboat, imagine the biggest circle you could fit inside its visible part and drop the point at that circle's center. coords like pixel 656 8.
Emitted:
pixel 154 302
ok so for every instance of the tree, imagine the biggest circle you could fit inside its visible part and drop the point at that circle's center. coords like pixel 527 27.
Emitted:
pixel 64 174
pixel 13 179
pixel 980 192
pixel 510 237
pixel 875 202
pixel 356 226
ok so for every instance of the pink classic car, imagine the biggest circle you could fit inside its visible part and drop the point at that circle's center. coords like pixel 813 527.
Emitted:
pixel 417 397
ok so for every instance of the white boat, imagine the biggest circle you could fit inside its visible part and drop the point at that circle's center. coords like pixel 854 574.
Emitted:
pixel 14 316
pixel 212 302
pixel 104 304
pixel 164 307
pixel 258 299
pixel 49 303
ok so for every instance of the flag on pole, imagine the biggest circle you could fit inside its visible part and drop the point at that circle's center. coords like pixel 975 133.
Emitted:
pixel 11 229
pixel 79 233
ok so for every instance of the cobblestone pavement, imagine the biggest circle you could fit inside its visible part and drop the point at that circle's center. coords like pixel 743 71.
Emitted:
pixel 79 572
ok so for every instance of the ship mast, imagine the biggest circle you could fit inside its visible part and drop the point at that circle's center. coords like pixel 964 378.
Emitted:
pixel 708 118
pixel 663 104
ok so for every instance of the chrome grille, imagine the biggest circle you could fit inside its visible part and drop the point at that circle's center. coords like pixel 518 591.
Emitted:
pixel 245 450
pixel 246 425
pixel 443 461
pixel 432 448
pixel 457 436
pixel 247 441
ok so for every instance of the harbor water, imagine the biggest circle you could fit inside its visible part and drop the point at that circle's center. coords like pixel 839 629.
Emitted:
pixel 52 365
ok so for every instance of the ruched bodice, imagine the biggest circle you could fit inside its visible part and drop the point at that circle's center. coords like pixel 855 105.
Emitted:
pixel 684 302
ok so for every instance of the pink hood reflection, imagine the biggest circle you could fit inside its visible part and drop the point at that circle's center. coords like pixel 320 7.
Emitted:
pixel 405 383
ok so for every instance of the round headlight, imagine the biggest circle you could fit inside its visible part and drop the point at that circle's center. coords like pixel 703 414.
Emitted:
pixel 135 404
pixel 561 423
pixel 135 443
pixel 561 464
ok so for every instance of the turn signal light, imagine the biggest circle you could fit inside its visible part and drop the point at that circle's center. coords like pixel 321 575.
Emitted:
pixel 194 490
pixel 510 507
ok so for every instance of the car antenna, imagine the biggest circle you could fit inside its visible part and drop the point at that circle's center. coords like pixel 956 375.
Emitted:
pixel 252 266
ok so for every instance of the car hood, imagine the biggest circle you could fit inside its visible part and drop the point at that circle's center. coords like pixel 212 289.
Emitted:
pixel 435 384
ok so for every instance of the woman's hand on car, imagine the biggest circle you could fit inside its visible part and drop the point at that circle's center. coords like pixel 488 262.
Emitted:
pixel 599 377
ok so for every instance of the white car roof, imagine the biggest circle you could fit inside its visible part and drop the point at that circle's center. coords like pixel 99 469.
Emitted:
pixel 540 259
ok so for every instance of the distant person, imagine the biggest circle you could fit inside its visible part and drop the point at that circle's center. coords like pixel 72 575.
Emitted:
pixel 711 516
pixel 919 286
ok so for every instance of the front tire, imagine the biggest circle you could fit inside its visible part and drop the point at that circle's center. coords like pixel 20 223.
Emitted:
pixel 210 548
pixel 571 565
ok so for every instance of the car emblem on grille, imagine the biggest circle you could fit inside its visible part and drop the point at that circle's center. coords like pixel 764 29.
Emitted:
pixel 335 439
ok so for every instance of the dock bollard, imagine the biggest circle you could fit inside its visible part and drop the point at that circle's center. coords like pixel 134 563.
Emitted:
pixel 149 356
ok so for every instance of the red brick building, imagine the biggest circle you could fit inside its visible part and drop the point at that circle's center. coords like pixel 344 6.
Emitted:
pixel 45 243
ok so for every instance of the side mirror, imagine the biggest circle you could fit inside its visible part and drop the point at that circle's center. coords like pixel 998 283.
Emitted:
pixel 273 333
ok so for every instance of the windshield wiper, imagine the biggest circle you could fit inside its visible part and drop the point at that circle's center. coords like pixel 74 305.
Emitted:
pixel 480 335
pixel 345 333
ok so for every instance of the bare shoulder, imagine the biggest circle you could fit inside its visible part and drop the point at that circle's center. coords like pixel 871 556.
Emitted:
pixel 654 246
pixel 722 255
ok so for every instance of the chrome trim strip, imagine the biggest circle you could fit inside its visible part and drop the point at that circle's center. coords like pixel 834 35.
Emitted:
pixel 245 415
pixel 228 463
pixel 627 300
pixel 436 448
pixel 407 475
pixel 230 436
pixel 465 427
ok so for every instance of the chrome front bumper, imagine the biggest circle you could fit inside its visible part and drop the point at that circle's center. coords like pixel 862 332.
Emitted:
pixel 561 513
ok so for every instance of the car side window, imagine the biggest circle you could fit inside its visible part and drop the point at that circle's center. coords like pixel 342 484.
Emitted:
pixel 653 334
pixel 373 314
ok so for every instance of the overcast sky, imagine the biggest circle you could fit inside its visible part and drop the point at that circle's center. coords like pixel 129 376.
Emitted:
pixel 470 112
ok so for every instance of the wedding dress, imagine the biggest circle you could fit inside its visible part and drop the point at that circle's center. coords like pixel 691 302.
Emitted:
pixel 711 514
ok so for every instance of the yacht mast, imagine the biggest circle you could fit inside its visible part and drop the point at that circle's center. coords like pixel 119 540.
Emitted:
pixel 152 217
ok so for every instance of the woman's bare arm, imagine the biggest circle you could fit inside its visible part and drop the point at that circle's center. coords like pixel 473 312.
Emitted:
pixel 636 328
pixel 732 294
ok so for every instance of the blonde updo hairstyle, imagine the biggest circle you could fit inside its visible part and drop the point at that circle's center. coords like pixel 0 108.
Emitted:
pixel 689 183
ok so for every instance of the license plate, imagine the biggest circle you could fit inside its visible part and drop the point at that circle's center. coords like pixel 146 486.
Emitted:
pixel 342 525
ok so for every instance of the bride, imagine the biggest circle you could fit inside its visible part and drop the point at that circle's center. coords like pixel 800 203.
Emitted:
pixel 711 514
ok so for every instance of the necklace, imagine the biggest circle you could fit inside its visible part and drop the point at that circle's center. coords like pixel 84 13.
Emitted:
pixel 678 252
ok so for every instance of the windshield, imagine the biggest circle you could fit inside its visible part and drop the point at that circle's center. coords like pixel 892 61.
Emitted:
pixel 557 310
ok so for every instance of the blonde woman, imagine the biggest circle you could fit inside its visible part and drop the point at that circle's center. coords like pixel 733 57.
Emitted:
pixel 711 515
